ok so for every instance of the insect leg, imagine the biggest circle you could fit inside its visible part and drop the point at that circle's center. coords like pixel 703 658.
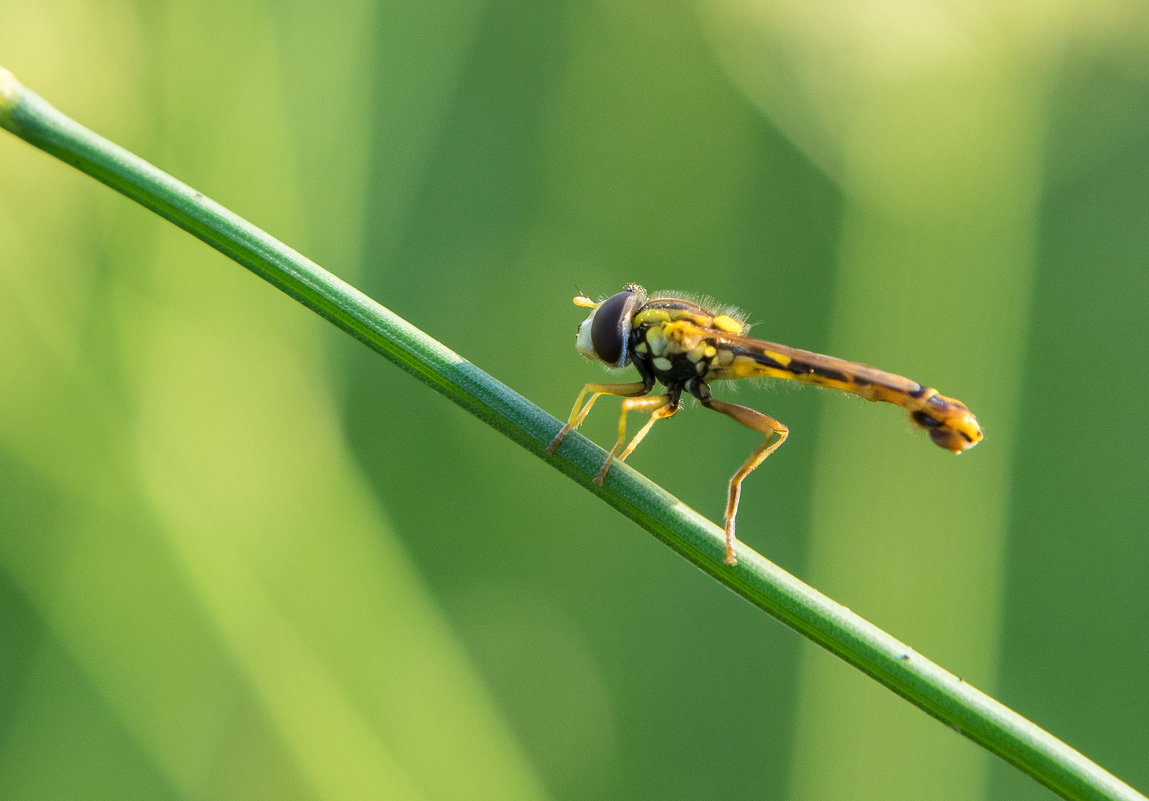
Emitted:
pixel 579 413
pixel 659 405
pixel 759 422
pixel 659 414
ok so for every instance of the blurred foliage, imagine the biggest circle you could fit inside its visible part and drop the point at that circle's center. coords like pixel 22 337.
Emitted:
pixel 242 557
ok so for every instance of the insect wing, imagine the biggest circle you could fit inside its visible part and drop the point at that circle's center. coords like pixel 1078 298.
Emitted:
pixel 752 358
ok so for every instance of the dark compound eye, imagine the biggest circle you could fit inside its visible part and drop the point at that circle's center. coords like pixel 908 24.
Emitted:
pixel 611 328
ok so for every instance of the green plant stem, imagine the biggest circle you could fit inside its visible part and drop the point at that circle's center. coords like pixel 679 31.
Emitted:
pixel 835 628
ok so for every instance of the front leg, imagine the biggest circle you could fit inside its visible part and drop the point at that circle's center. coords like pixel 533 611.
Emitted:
pixel 579 413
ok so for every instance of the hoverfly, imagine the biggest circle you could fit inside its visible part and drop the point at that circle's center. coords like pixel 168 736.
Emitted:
pixel 685 347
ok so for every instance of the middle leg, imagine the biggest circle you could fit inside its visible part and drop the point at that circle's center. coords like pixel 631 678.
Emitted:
pixel 660 406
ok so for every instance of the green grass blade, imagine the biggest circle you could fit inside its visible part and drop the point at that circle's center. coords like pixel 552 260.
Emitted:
pixel 837 629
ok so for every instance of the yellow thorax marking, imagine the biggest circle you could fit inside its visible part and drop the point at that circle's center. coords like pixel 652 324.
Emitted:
pixel 651 316
pixel 728 324
pixel 683 334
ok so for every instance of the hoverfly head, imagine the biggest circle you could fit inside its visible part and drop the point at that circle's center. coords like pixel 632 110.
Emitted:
pixel 605 334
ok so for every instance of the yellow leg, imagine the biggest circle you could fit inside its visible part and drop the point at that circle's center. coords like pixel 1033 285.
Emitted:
pixel 659 405
pixel 579 413
pixel 658 414
pixel 759 422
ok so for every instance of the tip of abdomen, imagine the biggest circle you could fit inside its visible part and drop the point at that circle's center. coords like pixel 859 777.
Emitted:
pixel 950 423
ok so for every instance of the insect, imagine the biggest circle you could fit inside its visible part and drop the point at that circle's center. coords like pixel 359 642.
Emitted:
pixel 685 347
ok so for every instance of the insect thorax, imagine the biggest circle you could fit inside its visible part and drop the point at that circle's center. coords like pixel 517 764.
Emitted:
pixel 670 344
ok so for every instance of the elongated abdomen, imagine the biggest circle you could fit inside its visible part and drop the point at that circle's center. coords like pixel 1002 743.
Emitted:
pixel 948 421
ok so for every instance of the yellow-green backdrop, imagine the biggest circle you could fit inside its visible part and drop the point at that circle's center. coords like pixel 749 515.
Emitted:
pixel 241 557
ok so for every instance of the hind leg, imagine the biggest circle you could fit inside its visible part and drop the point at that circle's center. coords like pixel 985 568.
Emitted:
pixel 759 422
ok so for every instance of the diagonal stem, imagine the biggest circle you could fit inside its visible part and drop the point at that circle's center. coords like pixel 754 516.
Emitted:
pixel 837 629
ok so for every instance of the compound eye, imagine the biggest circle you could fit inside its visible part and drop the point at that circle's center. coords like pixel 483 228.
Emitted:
pixel 610 329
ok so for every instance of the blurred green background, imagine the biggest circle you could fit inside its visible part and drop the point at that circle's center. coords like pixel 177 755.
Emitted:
pixel 241 557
